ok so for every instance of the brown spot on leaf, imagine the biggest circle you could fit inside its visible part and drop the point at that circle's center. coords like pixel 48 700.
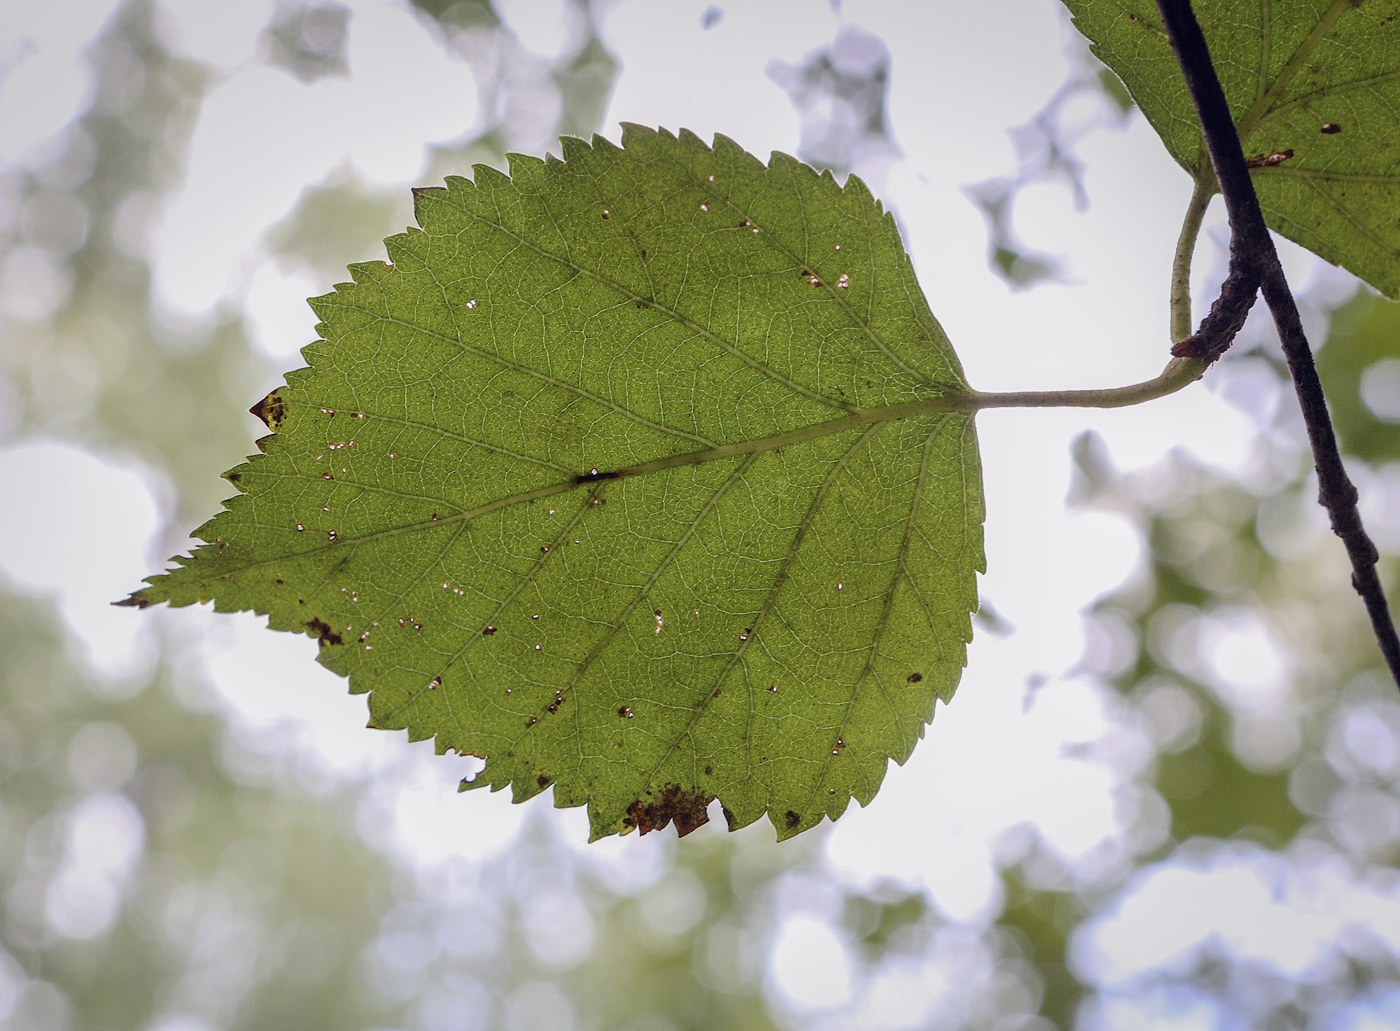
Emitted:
pixel 595 476
pixel 271 411
pixel 321 630
pixel 792 819
pixel 233 477
pixel 685 808
pixel 542 781
pixel 914 678
pixel 1331 128
pixel 1273 160
pixel 709 770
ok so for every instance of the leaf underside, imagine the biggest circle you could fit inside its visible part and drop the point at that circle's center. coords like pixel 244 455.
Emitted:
pixel 596 481
pixel 1314 86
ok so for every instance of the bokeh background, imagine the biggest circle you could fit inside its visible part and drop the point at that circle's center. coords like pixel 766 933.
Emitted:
pixel 1166 795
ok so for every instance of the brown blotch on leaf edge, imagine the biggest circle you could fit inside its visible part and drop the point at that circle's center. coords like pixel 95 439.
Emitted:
pixel 542 781
pixel 323 632
pixel 270 410
pixel 685 808
pixel 134 601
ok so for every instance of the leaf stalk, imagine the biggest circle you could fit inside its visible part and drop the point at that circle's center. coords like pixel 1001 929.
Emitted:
pixel 1181 321
pixel 1179 373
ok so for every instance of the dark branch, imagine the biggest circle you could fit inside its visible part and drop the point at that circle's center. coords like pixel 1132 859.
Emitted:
pixel 1254 260
pixel 1248 237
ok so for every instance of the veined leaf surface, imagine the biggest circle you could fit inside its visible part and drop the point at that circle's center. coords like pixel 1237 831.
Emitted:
pixel 638 474
pixel 1314 86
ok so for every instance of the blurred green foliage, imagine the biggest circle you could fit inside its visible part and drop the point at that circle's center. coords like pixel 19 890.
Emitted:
pixel 1364 332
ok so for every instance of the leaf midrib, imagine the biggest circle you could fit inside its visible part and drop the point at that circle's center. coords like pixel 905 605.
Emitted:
pixel 800 435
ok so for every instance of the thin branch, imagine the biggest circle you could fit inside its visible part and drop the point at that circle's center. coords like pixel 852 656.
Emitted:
pixel 1254 261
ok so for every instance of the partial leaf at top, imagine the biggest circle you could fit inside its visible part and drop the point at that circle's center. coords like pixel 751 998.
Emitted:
pixel 635 474
pixel 1315 89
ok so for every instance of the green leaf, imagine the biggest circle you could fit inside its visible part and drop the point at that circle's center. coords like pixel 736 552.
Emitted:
pixel 636 474
pixel 1315 89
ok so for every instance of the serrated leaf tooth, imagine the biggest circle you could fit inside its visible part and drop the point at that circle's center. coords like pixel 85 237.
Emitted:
pixel 726 146
pixel 793 166
pixel 634 135
pixel 401 252
pixel 489 177
pixel 524 168
pixel 690 139
pixel 369 272
pixel 574 149
pixel 856 187
pixel 427 204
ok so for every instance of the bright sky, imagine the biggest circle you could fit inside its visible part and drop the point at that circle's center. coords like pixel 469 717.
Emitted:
pixel 1000 759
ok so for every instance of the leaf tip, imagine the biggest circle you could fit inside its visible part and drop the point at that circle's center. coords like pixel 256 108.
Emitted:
pixel 272 410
